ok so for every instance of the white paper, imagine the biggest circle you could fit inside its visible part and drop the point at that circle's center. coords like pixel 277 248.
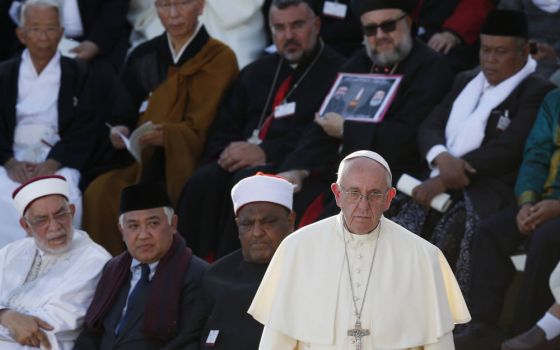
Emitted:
pixel 284 110
pixel 132 143
pixel 407 183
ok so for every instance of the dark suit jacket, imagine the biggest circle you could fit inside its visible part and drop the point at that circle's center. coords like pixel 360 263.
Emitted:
pixel 130 337
pixel 75 120
pixel 498 159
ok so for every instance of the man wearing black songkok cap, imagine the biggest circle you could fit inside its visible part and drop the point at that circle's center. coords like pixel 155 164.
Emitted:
pixel 473 145
pixel 147 293
pixel 389 49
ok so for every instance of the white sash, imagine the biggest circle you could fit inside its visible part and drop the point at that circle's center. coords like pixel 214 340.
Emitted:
pixel 464 131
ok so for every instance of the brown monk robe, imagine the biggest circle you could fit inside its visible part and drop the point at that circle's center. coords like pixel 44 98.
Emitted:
pixel 185 105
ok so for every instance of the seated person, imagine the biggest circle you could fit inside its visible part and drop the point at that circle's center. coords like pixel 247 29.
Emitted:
pixel 261 118
pixel 473 141
pixel 542 16
pixel 389 49
pixel 47 280
pixel 262 204
pixel 146 295
pixel 99 26
pixel 545 334
pixel 45 113
pixel 174 81
pixel 534 220
pixel 453 28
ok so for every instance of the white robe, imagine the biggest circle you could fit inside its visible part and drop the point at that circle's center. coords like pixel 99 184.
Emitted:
pixel 61 293
pixel 239 24
pixel 304 300
pixel 36 120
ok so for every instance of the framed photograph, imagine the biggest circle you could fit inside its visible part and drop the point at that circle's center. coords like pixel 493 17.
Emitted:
pixel 362 97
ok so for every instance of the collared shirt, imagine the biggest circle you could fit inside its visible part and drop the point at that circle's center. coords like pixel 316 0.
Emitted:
pixel 136 271
pixel 177 56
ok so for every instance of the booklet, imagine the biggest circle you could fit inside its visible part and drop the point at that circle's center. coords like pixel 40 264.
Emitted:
pixel 362 97
pixel 407 183
pixel 131 142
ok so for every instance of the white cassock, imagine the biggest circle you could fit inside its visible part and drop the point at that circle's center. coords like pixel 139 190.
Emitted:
pixel 239 24
pixel 305 302
pixel 36 129
pixel 60 293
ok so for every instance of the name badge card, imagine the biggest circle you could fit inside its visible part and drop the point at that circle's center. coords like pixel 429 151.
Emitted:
pixel 212 336
pixel 334 9
pixel 284 110
pixel 504 121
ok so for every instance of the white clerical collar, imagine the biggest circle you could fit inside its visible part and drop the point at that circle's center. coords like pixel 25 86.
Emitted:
pixel 135 264
pixel 351 237
pixel 51 67
pixel 177 56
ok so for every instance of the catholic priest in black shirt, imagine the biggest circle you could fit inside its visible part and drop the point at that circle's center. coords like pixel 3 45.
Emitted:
pixel 389 49
pixel 261 119
pixel 263 209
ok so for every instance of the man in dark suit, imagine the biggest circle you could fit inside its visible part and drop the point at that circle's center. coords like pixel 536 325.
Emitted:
pixel 45 111
pixel 147 294
pixel 473 141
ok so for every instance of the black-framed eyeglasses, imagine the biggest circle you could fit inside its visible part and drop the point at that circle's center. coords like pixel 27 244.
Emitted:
pixel 386 27
pixel 356 196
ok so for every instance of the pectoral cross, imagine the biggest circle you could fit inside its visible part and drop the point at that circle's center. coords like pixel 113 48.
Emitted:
pixel 358 333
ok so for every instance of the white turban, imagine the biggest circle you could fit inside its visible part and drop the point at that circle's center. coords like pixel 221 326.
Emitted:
pixel 262 188
pixel 39 187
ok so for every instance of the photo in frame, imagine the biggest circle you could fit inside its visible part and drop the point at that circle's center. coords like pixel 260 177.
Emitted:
pixel 361 97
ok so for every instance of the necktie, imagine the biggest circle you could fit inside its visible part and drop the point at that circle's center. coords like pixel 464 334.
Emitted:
pixel 141 286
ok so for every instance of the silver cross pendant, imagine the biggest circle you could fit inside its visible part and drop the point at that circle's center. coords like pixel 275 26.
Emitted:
pixel 357 332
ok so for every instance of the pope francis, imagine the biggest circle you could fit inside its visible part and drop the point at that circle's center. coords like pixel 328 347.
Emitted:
pixel 358 280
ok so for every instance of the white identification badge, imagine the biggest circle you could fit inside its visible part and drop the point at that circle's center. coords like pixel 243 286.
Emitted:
pixel 143 106
pixel 212 336
pixel 504 121
pixel 284 109
pixel 334 9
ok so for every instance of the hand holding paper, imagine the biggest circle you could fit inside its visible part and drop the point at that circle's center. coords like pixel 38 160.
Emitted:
pixel 407 184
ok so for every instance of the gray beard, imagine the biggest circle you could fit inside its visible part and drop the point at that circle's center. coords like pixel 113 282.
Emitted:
pixel 389 59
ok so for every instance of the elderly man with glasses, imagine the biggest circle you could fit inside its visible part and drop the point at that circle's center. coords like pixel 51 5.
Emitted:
pixel 47 280
pixel 357 280
pixel 389 49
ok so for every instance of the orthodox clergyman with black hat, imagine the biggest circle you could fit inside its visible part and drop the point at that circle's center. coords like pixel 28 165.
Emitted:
pixel 146 294
pixel 389 48
pixel 357 280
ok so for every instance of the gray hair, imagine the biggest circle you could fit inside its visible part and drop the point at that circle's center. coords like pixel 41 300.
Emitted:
pixel 47 3
pixel 167 210
pixel 343 165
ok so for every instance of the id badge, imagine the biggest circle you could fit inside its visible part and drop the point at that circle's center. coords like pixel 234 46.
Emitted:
pixel 143 106
pixel 284 110
pixel 212 337
pixel 334 9
pixel 503 122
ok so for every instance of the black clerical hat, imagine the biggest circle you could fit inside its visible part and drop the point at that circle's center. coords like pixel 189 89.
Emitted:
pixel 506 23
pixel 144 196
pixel 362 6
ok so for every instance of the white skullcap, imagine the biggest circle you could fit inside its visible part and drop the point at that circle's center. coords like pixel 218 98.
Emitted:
pixel 371 155
pixel 38 187
pixel 262 188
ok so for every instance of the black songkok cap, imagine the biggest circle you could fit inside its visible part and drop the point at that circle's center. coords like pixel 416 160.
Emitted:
pixel 362 6
pixel 144 196
pixel 506 23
